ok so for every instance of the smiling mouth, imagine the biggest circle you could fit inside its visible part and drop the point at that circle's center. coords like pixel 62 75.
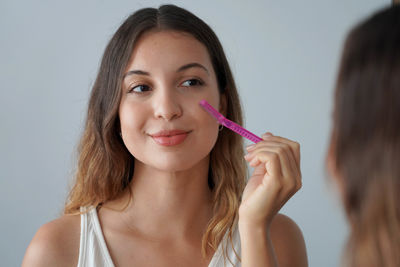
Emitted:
pixel 170 138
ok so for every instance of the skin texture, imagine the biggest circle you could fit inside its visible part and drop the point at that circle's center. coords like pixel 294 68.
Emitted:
pixel 163 224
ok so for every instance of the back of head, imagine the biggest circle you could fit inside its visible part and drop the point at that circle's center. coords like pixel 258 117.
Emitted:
pixel 366 138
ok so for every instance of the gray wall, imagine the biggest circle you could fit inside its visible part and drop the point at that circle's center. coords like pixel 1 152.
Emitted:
pixel 284 57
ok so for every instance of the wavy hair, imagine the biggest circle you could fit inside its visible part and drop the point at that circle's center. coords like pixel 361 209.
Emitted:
pixel 105 166
pixel 366 139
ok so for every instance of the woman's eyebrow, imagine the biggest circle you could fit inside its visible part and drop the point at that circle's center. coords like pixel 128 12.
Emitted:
pixel 182 68
pixel 137 72
pixel 192 65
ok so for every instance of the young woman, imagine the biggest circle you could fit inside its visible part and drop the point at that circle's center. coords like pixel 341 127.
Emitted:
pixel 364 154
pixel 159 183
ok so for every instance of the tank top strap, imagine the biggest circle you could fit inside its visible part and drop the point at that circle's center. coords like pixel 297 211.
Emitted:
pixel 93 250
pixel 228 252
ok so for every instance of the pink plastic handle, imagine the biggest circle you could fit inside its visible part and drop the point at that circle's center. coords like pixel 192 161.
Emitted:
pixel 228 123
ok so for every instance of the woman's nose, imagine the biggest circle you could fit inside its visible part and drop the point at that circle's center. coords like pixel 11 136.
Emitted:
pixel 167 106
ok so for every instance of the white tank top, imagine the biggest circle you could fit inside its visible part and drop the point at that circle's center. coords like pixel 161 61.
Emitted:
pixel 93 251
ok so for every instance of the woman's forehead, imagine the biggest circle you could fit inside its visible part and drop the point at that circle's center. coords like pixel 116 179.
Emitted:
pixel 169 49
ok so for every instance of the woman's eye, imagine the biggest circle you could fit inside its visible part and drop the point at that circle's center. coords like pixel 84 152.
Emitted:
pixel 140 89
pixel 192 82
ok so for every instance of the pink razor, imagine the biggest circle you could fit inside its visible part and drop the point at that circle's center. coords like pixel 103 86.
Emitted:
pixel 229 124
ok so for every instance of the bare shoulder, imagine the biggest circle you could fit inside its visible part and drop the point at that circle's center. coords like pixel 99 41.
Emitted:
pixel 288 242
pixel 55 243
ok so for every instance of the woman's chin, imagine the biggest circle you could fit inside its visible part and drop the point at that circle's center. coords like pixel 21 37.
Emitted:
pixel 173 166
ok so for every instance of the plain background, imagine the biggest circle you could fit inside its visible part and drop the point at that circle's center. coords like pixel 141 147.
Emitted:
pixel 284 56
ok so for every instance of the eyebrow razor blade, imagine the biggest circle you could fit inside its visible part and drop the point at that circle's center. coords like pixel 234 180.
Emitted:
pixel 228 123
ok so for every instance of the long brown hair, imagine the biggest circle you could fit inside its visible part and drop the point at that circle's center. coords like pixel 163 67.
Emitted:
pixel 105 166
pixel 365 141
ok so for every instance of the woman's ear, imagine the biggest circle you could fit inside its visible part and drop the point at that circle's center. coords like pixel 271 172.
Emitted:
pixel 223 104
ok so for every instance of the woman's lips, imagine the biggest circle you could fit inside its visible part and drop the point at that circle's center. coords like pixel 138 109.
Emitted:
pixel 170 138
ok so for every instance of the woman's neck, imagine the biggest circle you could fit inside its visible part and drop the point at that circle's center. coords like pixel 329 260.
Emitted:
pixel 167 204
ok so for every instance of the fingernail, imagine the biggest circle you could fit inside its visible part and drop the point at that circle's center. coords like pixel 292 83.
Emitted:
pixel 247 156
pixel 254 162
pixel 267 134
pixel 250 147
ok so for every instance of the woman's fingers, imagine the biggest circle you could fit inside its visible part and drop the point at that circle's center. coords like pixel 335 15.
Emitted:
pixel 267 157
pixel 277 147
pixel 294 173
pixel 275 179
pixel 288 161
pixel 268 152
pixel 294 146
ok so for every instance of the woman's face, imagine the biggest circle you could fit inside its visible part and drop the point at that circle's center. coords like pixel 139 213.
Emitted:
pixel 162 123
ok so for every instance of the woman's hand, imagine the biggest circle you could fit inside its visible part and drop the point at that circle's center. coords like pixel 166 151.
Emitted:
pixel 276 178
